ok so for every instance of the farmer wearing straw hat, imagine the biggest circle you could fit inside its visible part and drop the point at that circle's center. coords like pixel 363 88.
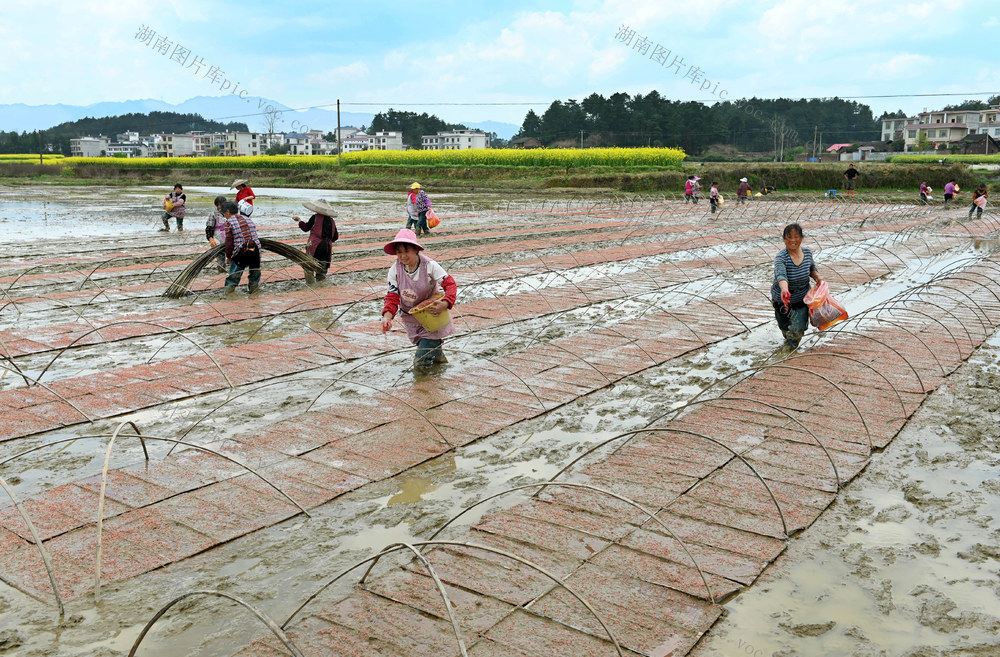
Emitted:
pixel 417 198
pixel 244 196
pixel 412 218
pixel 415 278
pixel 322 231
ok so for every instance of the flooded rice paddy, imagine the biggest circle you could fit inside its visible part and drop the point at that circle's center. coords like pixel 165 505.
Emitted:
pixel 903 562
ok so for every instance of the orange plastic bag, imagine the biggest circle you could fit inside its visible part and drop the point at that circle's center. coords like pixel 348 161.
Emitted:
pixel 432 219
pixel 824 310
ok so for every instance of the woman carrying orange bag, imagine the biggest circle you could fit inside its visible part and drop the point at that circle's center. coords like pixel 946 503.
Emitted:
pixel 793 267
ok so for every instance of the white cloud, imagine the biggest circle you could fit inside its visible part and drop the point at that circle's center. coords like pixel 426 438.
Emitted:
pixel 350 73
pixel 906 65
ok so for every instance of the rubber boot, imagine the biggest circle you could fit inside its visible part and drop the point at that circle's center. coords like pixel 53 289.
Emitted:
pixel 252 289
pixel 180 225
pixel 230 290
pixel 166 225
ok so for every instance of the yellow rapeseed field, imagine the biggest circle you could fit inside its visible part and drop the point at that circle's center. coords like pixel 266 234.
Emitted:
pixel 29 157
pixel 904 158
pixel 540 157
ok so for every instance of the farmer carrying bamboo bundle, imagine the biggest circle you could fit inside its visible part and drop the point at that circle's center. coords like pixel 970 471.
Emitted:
pixel 242 249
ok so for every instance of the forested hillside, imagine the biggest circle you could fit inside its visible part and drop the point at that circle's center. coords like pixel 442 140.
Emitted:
pixel 746 124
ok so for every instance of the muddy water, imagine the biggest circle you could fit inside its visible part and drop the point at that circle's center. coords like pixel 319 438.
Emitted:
pixel 906 562
pixel 905 525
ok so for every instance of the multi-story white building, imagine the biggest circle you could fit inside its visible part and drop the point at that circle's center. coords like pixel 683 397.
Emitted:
pixel 298 143
pixel 323 147
pixel 455 140
pixel 893 129
pixel 89 146
pixel 989 121
pixel 385 141
pixel 241 143
pixel 171 145
pixel 128 149
pixel 356 143
pixel 947 127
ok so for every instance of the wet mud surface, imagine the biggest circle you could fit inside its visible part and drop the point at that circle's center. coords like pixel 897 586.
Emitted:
pixel 578 321
pixel 905 563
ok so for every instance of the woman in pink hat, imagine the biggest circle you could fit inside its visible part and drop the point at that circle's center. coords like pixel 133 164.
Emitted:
pixel 415 278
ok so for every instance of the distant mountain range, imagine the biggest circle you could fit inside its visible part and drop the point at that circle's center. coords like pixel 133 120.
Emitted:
pixel 19 117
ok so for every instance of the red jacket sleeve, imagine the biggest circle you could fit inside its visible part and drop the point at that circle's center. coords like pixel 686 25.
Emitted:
pixel 450 290
pixel 391 304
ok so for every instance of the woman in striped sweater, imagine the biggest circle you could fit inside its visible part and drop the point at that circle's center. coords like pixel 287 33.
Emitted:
pixel 793 267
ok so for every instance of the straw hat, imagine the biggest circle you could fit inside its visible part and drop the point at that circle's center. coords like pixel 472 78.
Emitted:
pixel 415 186
pixel 320 206
pixel 238 182
pixel 404 236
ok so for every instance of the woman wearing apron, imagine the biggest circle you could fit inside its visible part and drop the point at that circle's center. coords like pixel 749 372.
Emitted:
pixel 415 278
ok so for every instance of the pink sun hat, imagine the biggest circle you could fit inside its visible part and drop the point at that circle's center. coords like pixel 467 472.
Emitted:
pixel 404 236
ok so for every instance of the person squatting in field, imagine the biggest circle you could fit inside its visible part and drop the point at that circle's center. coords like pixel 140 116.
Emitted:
pixel 173 206
pixel 793 267
pixel 413 279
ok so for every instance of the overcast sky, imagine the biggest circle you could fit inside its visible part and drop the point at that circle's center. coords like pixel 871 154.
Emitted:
pixel 411 55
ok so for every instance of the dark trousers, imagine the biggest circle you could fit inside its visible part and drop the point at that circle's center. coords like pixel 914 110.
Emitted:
pixel 793 322
pixel 428 352
pixel 243 261
pixel 166 221
pixel 323 254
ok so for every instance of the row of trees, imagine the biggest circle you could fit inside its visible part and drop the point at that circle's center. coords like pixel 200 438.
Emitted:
pixel 747 124
pixel 58 136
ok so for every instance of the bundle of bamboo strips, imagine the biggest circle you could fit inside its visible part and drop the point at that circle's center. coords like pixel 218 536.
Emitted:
pixel 181 286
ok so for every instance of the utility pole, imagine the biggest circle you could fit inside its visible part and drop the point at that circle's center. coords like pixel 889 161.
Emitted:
pixel 40 147
pixel 340 144
pixel 815 132
pixel 581 138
